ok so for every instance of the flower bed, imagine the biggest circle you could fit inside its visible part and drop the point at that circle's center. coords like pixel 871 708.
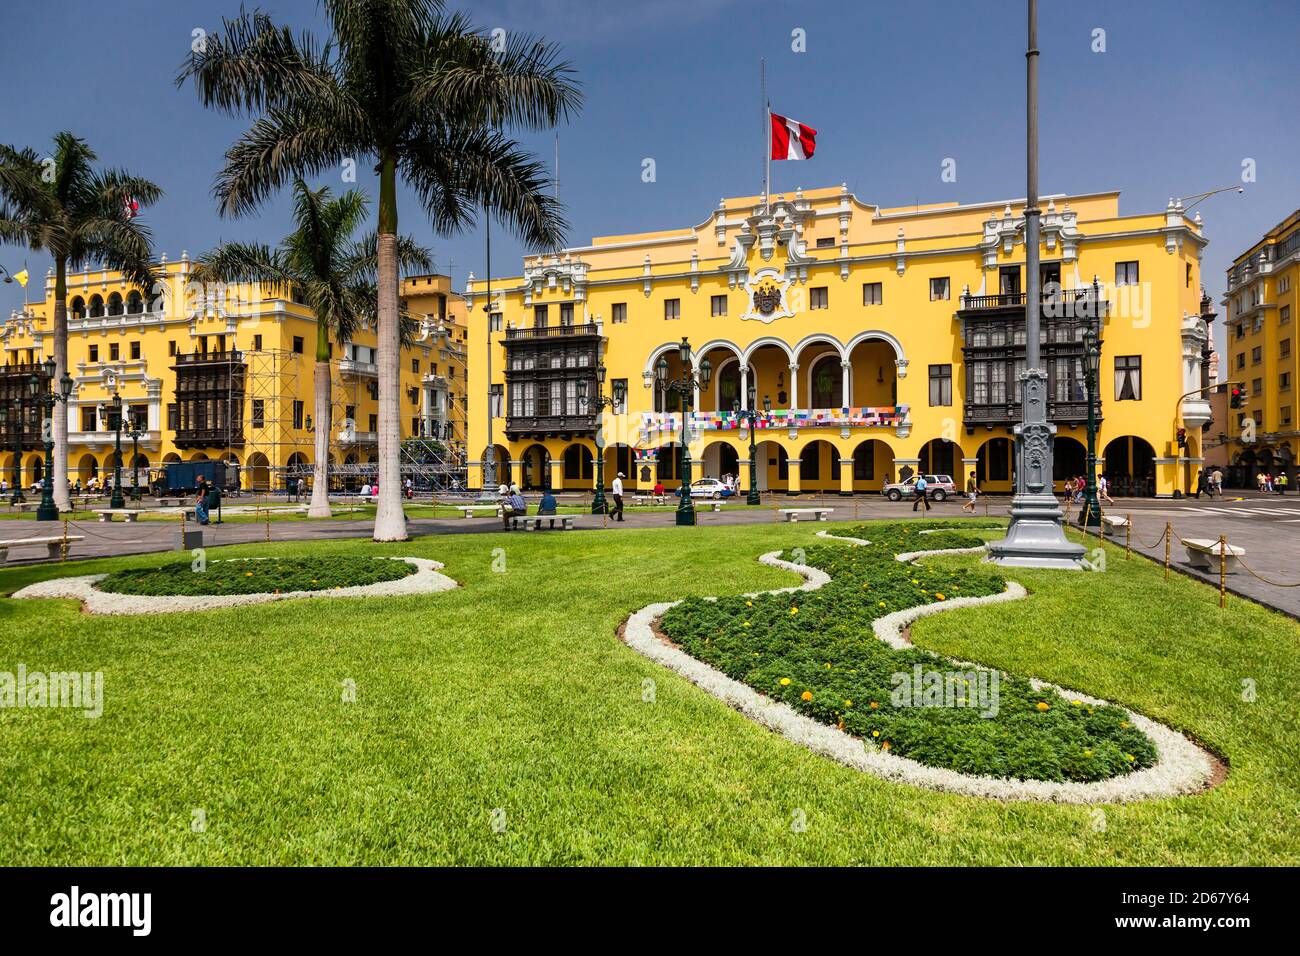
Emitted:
pixel 815 651
pixel 254 576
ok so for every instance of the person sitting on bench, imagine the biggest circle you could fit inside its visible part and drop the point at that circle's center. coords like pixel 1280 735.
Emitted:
pixel 547 505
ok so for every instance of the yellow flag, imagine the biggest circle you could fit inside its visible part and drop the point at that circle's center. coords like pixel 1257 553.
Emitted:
pixel 21 278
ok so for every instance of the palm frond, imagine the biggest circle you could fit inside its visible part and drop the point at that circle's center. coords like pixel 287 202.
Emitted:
pixel 455 172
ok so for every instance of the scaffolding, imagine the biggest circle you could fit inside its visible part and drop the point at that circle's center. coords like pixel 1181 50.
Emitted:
pixel 271 388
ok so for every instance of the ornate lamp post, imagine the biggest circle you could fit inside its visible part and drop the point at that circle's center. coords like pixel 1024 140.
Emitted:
pixel 48 511
pixel 1036 537
pixel 19 404
pixel 117 501
pixel 685 387
pixel 601 401
pixel 750 415
pixel 134 431
pixel 1090 514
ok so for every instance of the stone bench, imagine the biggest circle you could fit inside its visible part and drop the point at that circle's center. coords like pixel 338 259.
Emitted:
pixel 53 544
pixel 170 502
pixel 128 514
pixel 534 522
pixel 472 511
pixel 652 499
pixel 818 514
pixel 1206 554
pixel 1111 524
pixel 25 506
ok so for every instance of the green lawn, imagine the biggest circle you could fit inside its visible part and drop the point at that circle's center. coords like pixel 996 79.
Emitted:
pixel 513 692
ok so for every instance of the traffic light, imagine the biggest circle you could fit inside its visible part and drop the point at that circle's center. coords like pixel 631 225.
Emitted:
pixel 1234 400
pixel 1182 438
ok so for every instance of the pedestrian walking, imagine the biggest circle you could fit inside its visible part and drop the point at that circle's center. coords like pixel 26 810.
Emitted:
pixel 618 497
pixel 972 492
pixel 1103 490
pixel 1200 484
pixel 921 497
pixel 1216 483
pixel 1280 482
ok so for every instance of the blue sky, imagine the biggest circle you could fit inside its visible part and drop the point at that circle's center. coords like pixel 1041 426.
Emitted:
pixel 1185 90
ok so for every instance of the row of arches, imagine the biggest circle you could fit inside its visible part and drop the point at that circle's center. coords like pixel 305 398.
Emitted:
pixel 817 372
pixel 824 465
pixel 98 306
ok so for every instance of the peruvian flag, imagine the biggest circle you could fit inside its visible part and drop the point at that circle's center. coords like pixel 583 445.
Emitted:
pixel 791 139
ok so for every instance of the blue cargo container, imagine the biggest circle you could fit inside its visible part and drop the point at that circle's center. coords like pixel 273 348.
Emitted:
pixel 184 475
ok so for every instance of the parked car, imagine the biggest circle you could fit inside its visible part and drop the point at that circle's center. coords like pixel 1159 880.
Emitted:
pixel 938 487
pixel 710 488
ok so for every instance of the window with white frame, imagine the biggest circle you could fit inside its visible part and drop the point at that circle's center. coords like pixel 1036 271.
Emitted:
pixel 940 288
pixel 1128 378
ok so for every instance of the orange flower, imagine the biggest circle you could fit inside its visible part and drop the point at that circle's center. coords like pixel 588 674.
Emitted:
pixel 940 596
pixel 1043 705
pixel 806 695
pixel 885 745
pixel 874 705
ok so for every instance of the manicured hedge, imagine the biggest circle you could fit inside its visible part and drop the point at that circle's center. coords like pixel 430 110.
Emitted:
pixel 816 652
pixel 255 576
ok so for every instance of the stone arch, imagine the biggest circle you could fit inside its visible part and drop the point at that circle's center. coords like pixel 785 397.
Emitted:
pixel 134 303
pixel 719 457
pixel 758 343
pixel 77 307
pixel 880 336
pixel 259 472
pixel 35 469
pixel 96 307
pixel 939 456
pixel 1069 458
pixel 995 464
pixel 87 468
pixel 115 304
pixel 873 464
pixel 819 466
pixel 501 459
pixel 579 463
pixel 536 467
pixel 723 402
pixel 1130 466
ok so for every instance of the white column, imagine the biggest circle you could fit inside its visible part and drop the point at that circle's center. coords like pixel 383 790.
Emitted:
pixel 794 385
pixel 744 388
pixel 846 396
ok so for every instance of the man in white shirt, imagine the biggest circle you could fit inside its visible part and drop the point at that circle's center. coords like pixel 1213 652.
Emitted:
pixel 618 497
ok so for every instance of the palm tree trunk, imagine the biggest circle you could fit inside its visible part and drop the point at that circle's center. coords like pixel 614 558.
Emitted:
pixel 320 486
pixel 62 500
pixel 390 520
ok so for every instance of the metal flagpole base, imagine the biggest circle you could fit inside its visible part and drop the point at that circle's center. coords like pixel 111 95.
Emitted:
pixel 1036 538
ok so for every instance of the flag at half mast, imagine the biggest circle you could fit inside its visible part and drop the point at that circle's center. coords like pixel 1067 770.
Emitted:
pixel 791 139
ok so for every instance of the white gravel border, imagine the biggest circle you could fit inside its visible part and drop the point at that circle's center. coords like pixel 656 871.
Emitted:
pixel 1181 766
pixel 426 580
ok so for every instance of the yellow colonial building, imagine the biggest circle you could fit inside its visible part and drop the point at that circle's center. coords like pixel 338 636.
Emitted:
pixel 224 373
pixel 878 342
pixel 1260 309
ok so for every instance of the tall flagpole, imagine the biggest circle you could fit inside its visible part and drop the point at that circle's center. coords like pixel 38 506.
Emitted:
pixel 767 135
pixel 1035 537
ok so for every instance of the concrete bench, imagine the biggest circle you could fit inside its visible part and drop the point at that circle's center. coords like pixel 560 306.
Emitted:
pixel 715 505
pixel 472 511
pixel 1110 524
pixel 535 522
pixel 53 544
pixel 128 514
pixel 170 502
pixel 818 514
pixel 1206 553
pixel 652 499
pixel 25 506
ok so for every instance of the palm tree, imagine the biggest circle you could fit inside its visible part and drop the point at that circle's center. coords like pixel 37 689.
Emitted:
pixel 424 97
pixel 335 275
pixel 77 214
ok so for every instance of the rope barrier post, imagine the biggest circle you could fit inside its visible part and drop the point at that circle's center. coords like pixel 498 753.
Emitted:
pixel 63 546
pixel 268 524
pixel 1128 535
pixel 1168 541
pixel 1223 571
